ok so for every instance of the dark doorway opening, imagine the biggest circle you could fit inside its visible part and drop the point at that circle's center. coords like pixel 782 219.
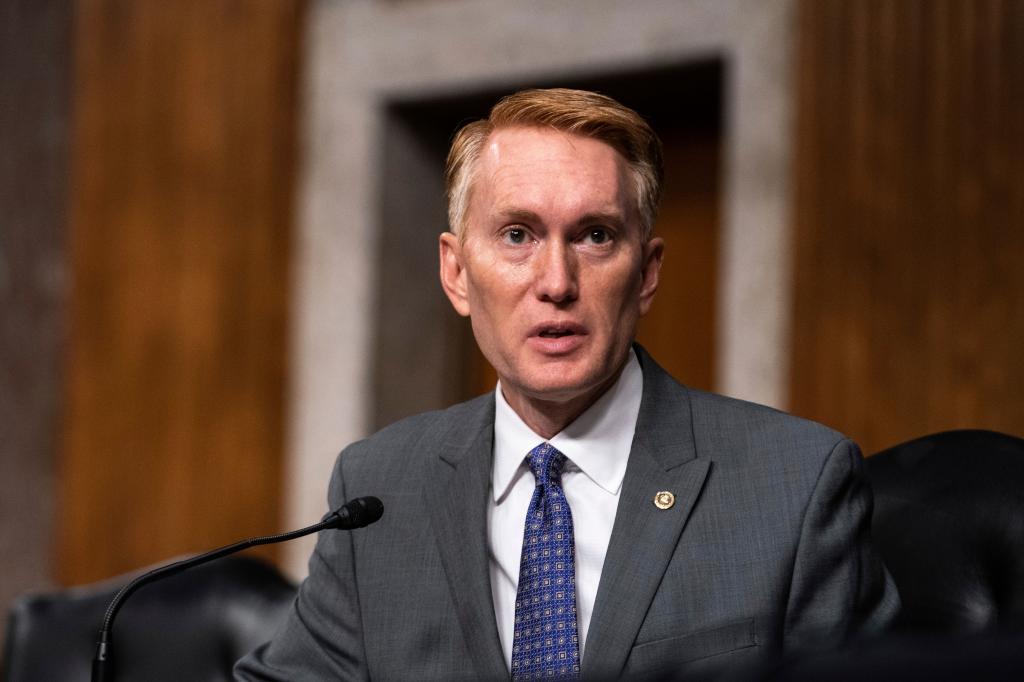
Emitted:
pixel 425 356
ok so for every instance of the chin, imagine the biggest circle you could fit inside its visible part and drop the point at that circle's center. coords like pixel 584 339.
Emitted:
pixel 561 388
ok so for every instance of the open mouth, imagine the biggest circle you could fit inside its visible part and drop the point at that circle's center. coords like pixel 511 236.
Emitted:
pixel 557 337
pixel 555 333
pixel 557 330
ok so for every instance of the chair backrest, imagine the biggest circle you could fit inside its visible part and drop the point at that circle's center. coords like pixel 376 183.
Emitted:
pixel 949 524
pixel 192 626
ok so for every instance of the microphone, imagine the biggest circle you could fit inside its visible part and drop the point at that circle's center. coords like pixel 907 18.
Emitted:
pixel 357 513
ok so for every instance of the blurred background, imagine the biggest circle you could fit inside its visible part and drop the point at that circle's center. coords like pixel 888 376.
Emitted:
pixel 218 224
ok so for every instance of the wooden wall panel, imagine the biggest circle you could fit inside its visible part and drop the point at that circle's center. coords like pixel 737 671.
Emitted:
pixel 909 303
pixel 679 331
pixel 182 184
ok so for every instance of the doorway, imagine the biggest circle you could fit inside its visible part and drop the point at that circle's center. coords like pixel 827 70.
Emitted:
pixel 425 356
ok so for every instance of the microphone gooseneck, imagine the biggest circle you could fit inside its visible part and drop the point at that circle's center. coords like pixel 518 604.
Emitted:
pixel 358 513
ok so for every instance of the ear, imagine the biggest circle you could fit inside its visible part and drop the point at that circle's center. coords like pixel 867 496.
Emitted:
pixel 453 272
pixel 650 270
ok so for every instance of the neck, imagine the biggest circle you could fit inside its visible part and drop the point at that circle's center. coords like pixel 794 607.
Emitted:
pixel 549 417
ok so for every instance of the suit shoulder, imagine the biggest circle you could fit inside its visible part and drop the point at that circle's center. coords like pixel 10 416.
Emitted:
pixel 724 424
pixel 749 426
pixel 408 437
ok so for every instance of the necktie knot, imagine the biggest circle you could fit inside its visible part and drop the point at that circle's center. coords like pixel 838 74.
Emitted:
pixel 546 463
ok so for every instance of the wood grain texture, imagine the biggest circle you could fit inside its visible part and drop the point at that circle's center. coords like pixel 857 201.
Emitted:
pixel 909 283
pixel 180 224
pixel 679 330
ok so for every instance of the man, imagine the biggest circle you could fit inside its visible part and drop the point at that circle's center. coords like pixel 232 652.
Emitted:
pixel 700 533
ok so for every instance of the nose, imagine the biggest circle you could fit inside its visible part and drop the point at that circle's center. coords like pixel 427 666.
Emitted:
pixel 556 277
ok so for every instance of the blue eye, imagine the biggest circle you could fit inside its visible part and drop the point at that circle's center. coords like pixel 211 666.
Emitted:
pixel 515 235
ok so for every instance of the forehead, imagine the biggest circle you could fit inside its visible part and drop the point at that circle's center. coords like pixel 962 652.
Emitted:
pixel 533 168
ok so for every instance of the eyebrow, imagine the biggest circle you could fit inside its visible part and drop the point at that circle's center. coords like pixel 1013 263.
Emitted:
pixel 517 214
pixel 613 219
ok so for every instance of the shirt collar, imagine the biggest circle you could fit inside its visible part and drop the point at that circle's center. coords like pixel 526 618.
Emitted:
pixel 596 443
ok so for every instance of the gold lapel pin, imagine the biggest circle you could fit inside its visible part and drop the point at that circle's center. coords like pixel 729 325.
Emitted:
pixel 664 500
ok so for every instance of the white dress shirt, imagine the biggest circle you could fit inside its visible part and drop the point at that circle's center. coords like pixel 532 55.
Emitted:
pixel 597 446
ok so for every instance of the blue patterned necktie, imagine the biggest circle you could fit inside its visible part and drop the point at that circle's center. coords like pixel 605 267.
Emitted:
pixel 546 643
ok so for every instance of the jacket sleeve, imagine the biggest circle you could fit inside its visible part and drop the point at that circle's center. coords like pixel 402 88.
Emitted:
pixel 840 589
pixel 321 637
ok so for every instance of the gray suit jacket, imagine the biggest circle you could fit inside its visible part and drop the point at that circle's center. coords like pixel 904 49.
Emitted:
pixel 765 550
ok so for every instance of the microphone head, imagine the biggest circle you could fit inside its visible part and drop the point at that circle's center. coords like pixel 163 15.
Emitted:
pixel 358 513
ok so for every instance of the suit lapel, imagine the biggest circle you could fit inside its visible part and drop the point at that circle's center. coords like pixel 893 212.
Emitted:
pixel 455 491
pixel 644 537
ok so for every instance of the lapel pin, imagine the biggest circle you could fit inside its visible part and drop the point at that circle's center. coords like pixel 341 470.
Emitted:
pixel 664 500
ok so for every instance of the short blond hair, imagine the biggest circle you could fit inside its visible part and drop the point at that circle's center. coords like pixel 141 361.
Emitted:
pixel 580 112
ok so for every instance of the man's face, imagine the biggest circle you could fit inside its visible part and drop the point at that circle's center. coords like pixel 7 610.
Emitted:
pixel 552 269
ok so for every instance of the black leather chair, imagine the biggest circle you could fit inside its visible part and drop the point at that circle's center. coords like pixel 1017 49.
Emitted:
pixel 949 524
pixel 192 626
